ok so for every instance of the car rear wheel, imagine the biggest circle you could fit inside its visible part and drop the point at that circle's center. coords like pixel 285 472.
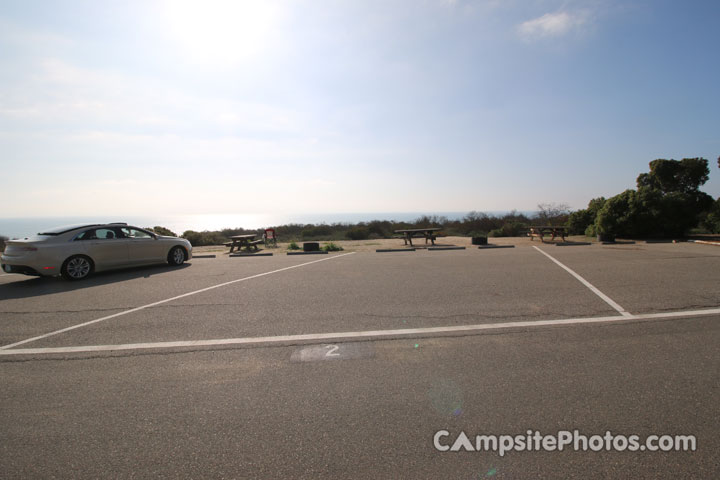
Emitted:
pixel 76 267
pixel 176 256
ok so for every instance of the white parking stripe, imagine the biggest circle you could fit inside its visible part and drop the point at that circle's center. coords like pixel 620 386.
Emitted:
pixel 589 285
pixel 132 310
pixel 357 335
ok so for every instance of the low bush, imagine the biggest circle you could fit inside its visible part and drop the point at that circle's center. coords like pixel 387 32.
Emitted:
pixel 380 229
pixel 332 247
pixel 511 229
pixel 358 233
pixel 162 231
pixel 667 203
pixel 198 239
pixel 711 222
pixel 313 231
pixel 475 222
pixel 293 246
pixel 583 221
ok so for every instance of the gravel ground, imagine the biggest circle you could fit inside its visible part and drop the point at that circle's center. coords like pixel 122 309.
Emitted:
pixel 374 244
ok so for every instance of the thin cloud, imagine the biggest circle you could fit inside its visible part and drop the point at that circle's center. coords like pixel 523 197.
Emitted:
pixel 55 92
pixel 552 25
pixel 473 4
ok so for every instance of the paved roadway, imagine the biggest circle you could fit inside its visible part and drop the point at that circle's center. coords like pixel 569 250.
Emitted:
pixel 363 406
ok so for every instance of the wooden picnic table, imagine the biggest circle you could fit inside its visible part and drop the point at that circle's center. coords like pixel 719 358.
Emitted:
pixel 240 241
pixel 542 230
pixel 409 233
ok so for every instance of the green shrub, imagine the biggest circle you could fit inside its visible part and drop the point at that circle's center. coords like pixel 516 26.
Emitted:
pixel 477 222
pixel 510 229
pixel 380 229
pixel 667 202
pixel 430 221
pixel 3 239
pixel 358 233
pixel 332 247
pixel 293 246
pixel 618 215
pixel 632 214
pixel 312 231
pixel 648 212
pixel 591 231
pixel 198 239
pixel 711 222
pixel 579 221
pixel 162 231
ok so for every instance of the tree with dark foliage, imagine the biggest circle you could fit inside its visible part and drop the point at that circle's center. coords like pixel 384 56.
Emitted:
pixel 583 221
pixel 672 176
pixel 667 203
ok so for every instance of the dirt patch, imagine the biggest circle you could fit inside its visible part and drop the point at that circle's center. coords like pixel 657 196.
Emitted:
pixel 374 244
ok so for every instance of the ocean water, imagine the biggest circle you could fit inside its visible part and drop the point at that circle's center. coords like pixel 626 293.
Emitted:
pixel 23 227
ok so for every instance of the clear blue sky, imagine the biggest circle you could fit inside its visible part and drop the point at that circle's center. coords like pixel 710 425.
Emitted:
pixel 141 107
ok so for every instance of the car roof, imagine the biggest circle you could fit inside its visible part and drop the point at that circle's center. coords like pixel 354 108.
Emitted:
pixel 66 229
pixel 69 228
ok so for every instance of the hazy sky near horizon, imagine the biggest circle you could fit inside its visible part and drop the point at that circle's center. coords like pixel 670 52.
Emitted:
pixel 220 106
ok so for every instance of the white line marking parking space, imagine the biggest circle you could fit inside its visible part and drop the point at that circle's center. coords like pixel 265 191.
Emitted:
pixel 137 309
pixel 378 334
pixel 589 285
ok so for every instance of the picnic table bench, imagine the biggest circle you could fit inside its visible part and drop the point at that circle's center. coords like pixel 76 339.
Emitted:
pixel 542 230
pixel 427 233
pixel 240 241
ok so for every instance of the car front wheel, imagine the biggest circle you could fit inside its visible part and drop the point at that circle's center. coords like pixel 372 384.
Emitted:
pixel 76 267
pixel 176 256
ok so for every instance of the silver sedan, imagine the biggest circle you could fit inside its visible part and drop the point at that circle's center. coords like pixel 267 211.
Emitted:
pixel 77 251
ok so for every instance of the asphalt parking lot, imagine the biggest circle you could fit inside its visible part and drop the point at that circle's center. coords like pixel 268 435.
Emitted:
pixel 345 365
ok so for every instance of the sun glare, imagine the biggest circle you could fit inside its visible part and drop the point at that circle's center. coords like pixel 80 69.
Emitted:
pixel 221 31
